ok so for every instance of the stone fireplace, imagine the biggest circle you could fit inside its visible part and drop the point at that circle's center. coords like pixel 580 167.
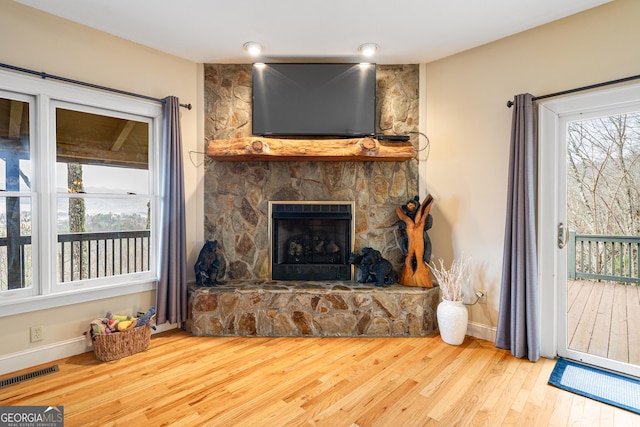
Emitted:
pixel 238 197
pixel 311 240
pixel 237 194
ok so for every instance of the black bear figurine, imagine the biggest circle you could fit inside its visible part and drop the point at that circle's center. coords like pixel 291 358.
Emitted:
pixel 356 259
pixel 373 268
pixel 206 268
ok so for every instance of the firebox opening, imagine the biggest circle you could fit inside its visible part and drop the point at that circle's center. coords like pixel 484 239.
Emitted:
pixel 311 240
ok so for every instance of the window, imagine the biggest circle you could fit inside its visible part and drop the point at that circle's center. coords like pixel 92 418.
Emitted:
pixel 16 268
pixel 103 202
pixel 79 193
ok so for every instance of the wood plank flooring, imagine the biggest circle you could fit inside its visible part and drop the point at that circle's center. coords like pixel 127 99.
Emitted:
pixel 603 319
pixel 203 381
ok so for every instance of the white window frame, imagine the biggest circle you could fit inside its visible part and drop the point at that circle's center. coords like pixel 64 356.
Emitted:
pixel 45 292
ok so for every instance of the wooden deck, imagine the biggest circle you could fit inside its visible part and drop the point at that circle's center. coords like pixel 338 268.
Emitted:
pixel 604 319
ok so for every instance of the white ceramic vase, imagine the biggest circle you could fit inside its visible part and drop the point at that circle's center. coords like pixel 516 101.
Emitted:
pixel 452 321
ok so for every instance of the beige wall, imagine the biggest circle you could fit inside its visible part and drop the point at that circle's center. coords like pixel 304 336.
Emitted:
pixel 32 39
pixel 469 125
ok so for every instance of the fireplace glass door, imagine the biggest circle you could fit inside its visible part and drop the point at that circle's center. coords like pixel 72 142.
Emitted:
pixel 311 241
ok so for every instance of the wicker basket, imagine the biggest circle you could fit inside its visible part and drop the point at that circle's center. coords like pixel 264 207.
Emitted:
pixel 115 346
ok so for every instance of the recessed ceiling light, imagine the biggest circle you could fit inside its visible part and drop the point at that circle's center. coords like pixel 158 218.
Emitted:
pixel 254 48
pixel 368 49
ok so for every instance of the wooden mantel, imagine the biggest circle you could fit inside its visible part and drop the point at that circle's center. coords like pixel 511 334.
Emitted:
pixel 257 148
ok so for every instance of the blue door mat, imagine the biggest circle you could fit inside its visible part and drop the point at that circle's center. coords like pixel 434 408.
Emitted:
pixel 597 384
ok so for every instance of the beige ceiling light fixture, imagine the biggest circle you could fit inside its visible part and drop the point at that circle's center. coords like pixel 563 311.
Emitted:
pixel 368 49
pixel 254 48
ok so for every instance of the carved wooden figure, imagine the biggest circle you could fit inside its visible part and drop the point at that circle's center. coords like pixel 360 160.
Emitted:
pixel 414 271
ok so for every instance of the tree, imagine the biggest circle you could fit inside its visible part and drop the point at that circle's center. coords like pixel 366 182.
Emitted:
pixel 603 184
pixel 77 218
pixel 603 176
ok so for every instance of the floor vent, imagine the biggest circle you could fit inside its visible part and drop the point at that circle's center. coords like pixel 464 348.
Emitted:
pixel 28 376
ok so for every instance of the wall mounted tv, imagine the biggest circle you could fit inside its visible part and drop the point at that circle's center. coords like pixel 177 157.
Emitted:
pixel 314 99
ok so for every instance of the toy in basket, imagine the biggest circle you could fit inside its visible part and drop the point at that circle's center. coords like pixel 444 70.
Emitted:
pixel 114 337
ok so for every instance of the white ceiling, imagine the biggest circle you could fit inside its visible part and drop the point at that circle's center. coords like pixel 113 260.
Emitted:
pixel 407 31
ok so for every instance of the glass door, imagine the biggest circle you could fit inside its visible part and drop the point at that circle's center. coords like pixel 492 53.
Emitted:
pixel 598 236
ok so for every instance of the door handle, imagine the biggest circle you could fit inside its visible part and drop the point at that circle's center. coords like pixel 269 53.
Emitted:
pixel 562 236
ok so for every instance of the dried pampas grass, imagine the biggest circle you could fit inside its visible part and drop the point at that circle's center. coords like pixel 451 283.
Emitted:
pixel 453 280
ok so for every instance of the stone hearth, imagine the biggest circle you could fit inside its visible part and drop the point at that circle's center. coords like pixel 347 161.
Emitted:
pixel 323 309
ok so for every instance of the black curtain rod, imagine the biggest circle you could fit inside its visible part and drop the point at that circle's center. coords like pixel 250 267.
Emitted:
pixel 91 85
pixel 580 89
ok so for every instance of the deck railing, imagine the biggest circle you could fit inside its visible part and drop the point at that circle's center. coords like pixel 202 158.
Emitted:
pixel 14 262
pixel 90 255
pixel 85 256
pixel 603 257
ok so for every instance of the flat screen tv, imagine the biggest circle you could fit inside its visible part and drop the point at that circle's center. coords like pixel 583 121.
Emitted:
pixel 314 100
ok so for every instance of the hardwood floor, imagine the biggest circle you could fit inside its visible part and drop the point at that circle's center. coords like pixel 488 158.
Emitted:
pixel 202 381
pixel 603 318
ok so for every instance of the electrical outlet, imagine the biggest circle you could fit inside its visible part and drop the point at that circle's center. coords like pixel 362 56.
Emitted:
pixel 36 333
pixel 483 297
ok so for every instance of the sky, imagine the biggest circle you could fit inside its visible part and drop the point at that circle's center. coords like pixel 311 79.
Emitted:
pixel 97 179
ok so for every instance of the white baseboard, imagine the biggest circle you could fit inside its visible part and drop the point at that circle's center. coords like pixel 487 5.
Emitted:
pixel 48 353
pixel 43 354
pixel 481 331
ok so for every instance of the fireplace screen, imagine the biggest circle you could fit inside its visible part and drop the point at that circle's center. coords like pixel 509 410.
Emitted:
pixel 311 240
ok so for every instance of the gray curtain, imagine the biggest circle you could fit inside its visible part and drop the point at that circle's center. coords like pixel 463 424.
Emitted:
pixel 518 317
pixel 172 284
